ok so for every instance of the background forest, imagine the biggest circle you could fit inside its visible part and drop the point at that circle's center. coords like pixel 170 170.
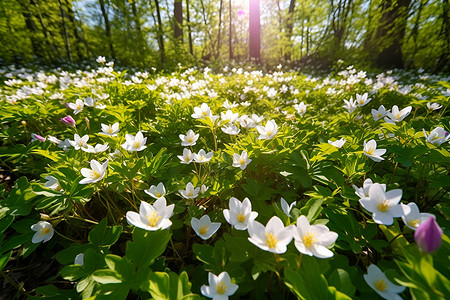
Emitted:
pixel 162 33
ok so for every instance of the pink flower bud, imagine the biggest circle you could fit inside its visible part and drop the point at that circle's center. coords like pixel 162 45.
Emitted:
pixel 68 121
pixel 37 137
pixel 428 236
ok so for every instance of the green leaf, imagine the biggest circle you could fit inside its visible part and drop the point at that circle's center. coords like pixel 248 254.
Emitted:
pixel 147 246
pixel 169 286
pixel 104 236
pixel 342 281
pixel 4 259
pixel 19 199
pixel 106 276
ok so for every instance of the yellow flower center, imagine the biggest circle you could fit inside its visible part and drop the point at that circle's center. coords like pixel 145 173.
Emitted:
pixel 189 140
pixel 309 239
pixel 369 151
pixel 397 116
pixel 95 175
pixel 241 217
pixel 153 219
pixel 436 137
pixel 203 230
pixel 45 231
pixel 201 158
pixel 414 223
pixel 380 285
pixel 242 161
pixel 205 113
pixel 271 240
pixel 379 115
pixel 137 144
pixel 158 194
pixel 383 206
pixel 269 132
pixel 110 130
pixel 221 288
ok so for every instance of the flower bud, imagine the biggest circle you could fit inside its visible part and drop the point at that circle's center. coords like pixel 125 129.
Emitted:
pixel 68 121
pixel 428 236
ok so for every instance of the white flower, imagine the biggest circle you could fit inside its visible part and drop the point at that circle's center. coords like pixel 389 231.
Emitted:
pixel 202 112
pixel 78 142
pixel 156 191
pixel 240 213
pixel 190 139
pixel 228 116
pixel 231 129
pixel 383 205
pixel 77 106
pixel 269 131
pixel 187 156
pixel 220 287
pixel 412 217
pixel 241 161
pixel 79 259
pixel 246 122
pixel 190 192
pixel 101 59
pixel 433 106
pixel 363 192
pixel 286 208
pixel 203 227
pixel 437 136
pixel 371 151
pixel 273 238
pixel 44 232
pixel 379 113
pixel 152 217
pixel 134 143
pixel 52 183
pixel 97 149
pixel 95 173
pixel 376 279
pixel 350 105
pixel 202 156
pixel 227 105
pixel 110 130
pixel 257 119
pixel 300 108
pixel 396 115
pixel 53 139
pixel 338 143
pixel 313 239
pixel 203 189
pixel 362 100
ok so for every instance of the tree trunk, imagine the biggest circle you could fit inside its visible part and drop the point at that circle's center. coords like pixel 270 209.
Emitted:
pixel 188 20
pixel 254 31
pixel 79 37
pixel 31 26
pixel 289 29
pixel 178 20
pixel 220 27
pixel 160 35
pixel 390 33
pixel 444 60
pixel 107 28
pixel 65 35
pixel 230 39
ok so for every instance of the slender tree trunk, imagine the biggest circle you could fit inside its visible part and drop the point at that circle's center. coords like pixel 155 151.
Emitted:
pixel 33 30
pixel 230 39
pixel 444 60
pixel 289 29
pixel 46 32
pixel 65 35
pixel 79 37
pixel 254 31
pixel 390 33
pixel 188 20
pixel 219 38
pixel 107 28
pixel 178 20
pixel 160 35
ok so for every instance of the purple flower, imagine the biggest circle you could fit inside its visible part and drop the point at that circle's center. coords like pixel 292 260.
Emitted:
pixel 37 137
pixel 68 121
pixel 241 13
pixel 428 236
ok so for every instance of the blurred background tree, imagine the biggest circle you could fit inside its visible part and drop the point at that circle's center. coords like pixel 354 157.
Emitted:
pixel 162 33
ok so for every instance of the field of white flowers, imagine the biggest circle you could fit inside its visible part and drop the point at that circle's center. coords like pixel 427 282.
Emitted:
pixel 240 184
